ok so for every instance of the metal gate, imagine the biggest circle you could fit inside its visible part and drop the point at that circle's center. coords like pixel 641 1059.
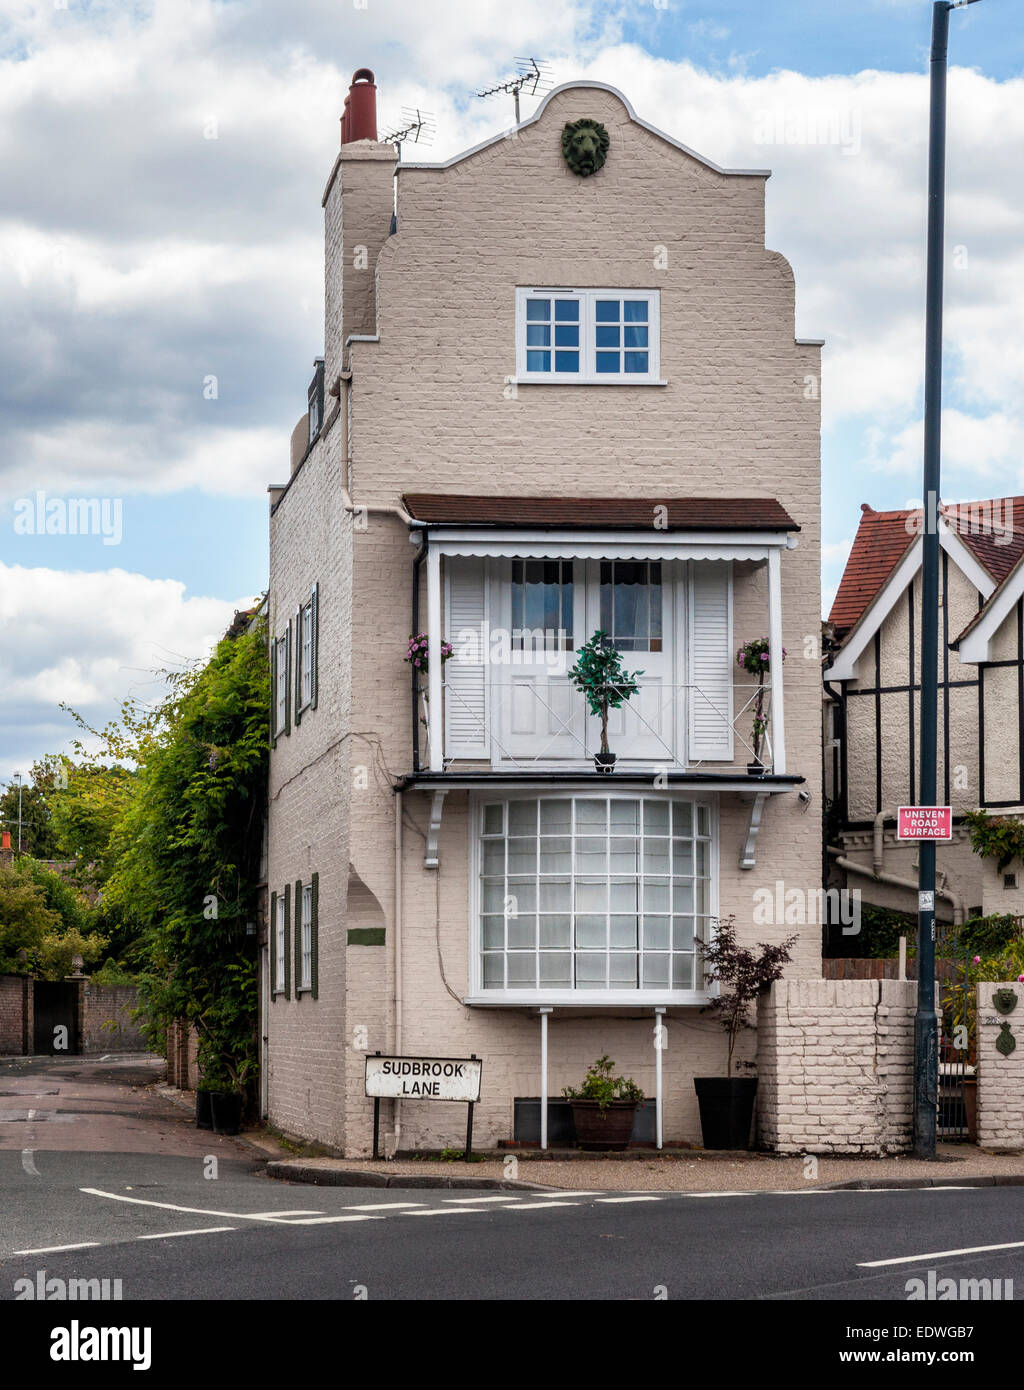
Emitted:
pixel 956 1047
pixel 56 1017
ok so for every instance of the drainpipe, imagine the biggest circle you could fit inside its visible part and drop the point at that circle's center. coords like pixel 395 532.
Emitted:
pixel 878 843
pixel 387 509
pixel 851 866
pixel 398 958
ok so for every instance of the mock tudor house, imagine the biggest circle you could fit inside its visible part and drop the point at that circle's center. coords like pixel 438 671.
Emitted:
pixel 560 393
pixel 873 696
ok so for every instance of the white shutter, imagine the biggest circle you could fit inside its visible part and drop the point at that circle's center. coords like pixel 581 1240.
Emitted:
pixel 466 672
pixel 710 662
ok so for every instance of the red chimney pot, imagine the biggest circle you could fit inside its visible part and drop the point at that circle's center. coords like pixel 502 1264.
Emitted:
pixel 359 119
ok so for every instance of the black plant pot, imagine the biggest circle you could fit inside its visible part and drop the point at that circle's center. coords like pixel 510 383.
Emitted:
pixel 755 769
pixel 604 762
pixel 726 1110
pixel 227 1111
pixel 204 1110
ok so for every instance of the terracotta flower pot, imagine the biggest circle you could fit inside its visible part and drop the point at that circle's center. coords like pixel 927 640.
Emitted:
pixel 608 1128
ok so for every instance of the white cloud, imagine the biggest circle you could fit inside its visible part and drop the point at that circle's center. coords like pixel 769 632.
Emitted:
pixel 91 640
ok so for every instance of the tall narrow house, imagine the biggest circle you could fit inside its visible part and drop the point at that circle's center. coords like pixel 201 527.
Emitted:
pixel 560 396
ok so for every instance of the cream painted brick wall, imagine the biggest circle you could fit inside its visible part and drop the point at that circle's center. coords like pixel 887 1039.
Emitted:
pixel 429 412
pixel 835 1066
pixel 1000 1079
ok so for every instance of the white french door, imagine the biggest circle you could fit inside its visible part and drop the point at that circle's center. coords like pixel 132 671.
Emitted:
pixel 548 609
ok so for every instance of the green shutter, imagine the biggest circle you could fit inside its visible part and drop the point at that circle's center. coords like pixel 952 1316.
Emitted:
pixel 315 657
pixel 298 936
pixel 287 941
pixel 272 939
pixel 273 692
pixel 315 933
pixel 298 666
pixel 287 679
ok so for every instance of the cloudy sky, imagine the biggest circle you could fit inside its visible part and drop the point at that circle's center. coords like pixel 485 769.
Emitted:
pixel 161 167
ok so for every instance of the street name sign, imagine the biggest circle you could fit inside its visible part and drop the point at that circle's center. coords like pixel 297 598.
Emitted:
pixel 424 1078
pixel 924 823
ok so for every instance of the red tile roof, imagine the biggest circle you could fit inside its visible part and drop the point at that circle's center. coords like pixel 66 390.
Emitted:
pixel 883 538
pixel 634 513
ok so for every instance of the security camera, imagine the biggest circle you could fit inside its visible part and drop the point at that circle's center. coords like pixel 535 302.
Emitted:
pixel 804 796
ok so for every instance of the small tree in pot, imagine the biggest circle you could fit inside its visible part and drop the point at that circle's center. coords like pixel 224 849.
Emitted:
pixel 604 1107
pixel 727 1102
pixel 599 677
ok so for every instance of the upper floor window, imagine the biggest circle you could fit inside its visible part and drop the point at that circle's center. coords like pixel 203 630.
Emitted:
pixel 281 664
pixel 607 336
pixel 306 630
pixel 631 604
pixel 542 605
pixel 315 399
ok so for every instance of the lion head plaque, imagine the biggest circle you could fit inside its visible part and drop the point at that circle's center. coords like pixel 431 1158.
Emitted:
pixel 585 146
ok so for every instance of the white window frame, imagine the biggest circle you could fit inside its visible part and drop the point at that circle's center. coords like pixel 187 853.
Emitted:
pixel 282 675
pixel 306 949
pixel 279 947
pixel 588 374
pixel 582 998
pixel 306 654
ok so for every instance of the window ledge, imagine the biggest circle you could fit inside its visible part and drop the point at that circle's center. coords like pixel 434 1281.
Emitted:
pixel 581 381
pixel 587 999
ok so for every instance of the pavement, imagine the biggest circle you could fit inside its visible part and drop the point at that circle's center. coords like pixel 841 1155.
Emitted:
pixel 956 1165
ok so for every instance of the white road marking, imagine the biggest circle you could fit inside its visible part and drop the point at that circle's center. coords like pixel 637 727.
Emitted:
pixel 941 1255
pixel 330 1220
pixel 627 1199
pixel 311 1211
pixel 571 1192
pixel 173 1235
pixel 382 1206
pixel 172 1206
pixel 28 1162
pixel 541 1206
pixel 723 1194
pixel 506 1198
pixel 450 1211
pixel 52 1249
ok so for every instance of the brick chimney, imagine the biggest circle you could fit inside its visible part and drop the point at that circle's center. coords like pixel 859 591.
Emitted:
pixel 359 118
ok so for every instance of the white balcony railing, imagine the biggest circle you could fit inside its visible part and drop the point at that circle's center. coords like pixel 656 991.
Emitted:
pixel 531 725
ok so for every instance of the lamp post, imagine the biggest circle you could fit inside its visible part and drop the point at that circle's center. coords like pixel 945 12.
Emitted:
pixel 926 1028
pixel 18 775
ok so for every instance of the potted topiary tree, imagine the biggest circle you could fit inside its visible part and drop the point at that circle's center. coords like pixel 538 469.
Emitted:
pixel 599 677
pixel 604 1107
pixel 727 1102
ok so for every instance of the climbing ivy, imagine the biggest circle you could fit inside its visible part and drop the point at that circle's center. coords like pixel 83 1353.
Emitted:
pixel 186 853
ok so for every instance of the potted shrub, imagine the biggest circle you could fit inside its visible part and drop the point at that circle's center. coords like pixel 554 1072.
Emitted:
pixel 223 1082
pixel 599 677
pixel 754 658
pixel 604 1107
pixel 204 1105
pixel 727 1102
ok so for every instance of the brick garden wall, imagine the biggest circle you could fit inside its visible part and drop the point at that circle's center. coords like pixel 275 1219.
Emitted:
pixel 107 1024
pixel 15 1000
pixel 1000 1079
pixel 835 1066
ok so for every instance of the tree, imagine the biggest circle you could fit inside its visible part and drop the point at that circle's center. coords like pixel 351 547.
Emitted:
pixel 44 924
pixel 186 851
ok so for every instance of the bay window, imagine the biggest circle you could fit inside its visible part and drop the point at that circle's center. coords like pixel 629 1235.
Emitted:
pixel 580 895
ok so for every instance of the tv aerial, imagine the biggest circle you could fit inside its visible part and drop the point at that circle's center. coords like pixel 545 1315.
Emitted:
pixel 413 124
pixel 532 77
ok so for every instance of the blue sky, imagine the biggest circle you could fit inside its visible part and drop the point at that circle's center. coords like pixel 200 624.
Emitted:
pixel 175 239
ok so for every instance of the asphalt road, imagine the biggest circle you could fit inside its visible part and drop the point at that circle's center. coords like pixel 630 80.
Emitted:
pixel 170 1229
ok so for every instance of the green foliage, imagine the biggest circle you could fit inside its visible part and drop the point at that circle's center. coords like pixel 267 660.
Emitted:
pixel 44 924
pixel 996 837
pixel 599 1084
pixel 600 678
pixel 982 936
pixel 186 850
pixel 743 974
pixel 112 975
